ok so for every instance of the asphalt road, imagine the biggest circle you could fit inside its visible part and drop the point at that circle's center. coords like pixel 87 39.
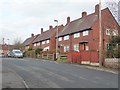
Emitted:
pixel 46 74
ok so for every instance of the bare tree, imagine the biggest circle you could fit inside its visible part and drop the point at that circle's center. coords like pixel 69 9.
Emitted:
pixel 18 44
pixel 114 7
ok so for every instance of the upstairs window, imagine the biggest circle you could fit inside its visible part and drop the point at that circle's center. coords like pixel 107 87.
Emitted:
pixel 108 32
pixel 47 41
pixel 34 44
pixel 60 39
pixel 76 35
pixel 43 42
pixel 38 43
pixel 111 32
pixel 66 37
pixel 85 33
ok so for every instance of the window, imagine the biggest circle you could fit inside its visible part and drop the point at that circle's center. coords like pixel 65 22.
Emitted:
pixel 66 37
pixel 66 48
pixel 47 41
pixel 85 33
pixel 111 32
pixel 26 47
pixel 76 47
pixel 115 32
pixel 109 46
pixel 38 43
pixel 60 39
pixel 34 44
pixel 107 31
pixel 76 35
pixel 46 48
pixel 43 42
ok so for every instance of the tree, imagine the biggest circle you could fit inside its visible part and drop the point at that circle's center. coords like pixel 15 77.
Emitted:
pixel 18 44
pixel 113 48
pixel 38 50
pixel 114 8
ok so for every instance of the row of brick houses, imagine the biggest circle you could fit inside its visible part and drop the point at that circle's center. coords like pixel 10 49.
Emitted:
pixel 78 35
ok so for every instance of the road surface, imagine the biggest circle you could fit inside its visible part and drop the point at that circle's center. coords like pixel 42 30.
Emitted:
pixel 46 74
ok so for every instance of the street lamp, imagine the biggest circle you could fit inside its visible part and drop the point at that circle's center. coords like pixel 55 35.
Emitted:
pixel 56 39
pixel 8 43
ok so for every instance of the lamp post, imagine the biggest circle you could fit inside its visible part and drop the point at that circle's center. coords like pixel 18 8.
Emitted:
pixel 56 39
pixel 8 43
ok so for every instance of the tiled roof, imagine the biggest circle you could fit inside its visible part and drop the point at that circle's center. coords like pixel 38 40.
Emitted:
pixel 47 34
pixel 79 25
pixel 6 47
pixel 28 41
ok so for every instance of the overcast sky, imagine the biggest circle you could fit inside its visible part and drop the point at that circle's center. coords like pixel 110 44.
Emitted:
pixel 20 18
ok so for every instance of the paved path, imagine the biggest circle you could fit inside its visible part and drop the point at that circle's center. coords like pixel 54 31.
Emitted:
pixel 45 74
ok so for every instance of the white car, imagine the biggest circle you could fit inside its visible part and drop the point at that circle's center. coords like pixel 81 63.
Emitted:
pixel 16 53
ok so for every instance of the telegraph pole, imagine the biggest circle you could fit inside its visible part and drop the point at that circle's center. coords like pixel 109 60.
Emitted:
pixel 100 38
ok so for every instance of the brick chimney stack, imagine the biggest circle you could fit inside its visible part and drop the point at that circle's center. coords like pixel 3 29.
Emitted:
pixel 68 20
pixel 97 9
pixel 41 30
pixel 84 14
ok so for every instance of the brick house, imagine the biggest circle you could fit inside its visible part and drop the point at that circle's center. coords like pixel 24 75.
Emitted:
pixel 82 34
pixel 28 42
pixel 46 40
pixel 5 48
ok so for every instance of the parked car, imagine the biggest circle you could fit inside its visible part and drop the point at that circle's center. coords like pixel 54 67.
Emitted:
pixel 9 54
pixel 16 53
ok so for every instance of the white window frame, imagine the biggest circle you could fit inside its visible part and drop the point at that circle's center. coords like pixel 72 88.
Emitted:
pixel 38 43
pixel 76 47
pixel 43 42
pixel 107 31
pixel 85 33
pixel 35 44
pixel 47 41
pixel 66 37
pixel 76 35
pixel 46 48
pixel 60 39
pixel 66 48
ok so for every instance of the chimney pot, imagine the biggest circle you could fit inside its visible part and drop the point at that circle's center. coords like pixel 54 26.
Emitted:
pixel 68 20
pixel 50 27
pixel 32 35
pixel 84 14
pixel 41 30
pixel 97 9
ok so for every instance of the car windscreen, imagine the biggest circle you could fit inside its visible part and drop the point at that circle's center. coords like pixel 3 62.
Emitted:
pixel 17 52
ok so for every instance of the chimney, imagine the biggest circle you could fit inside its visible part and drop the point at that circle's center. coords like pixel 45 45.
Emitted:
pixel 32 35
pixel 84 14
pixel 97 9
pixel 68 20
pixel 41 30
pixel 50 27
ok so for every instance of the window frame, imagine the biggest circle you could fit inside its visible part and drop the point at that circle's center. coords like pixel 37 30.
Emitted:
pixel 66 37
pixel 76 35
pixel 85 33
pixel 66 48
pixel 76 47
pixel 60 39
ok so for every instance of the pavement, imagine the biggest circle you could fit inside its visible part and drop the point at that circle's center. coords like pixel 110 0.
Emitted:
pixel 11 79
